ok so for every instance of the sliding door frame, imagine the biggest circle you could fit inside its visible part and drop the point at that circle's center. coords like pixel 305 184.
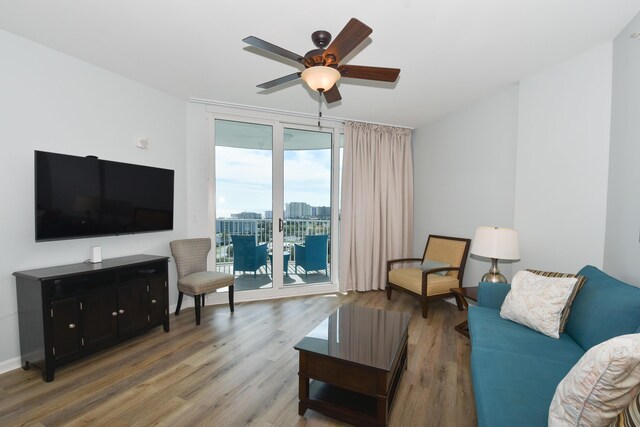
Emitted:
pixel 278 123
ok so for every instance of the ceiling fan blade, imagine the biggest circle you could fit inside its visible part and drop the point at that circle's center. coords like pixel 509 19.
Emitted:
pixel 369 73
pixel 269 47
pixel 332 95
pixel 354 33
pixel 279 81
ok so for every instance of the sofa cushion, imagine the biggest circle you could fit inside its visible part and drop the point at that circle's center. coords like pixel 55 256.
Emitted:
pixel 539 301
pixel 492 295
pixel 514 389
pixel 577 287
pixel 604 308
pixel 630 417
pixel 488 329
pixel 600 386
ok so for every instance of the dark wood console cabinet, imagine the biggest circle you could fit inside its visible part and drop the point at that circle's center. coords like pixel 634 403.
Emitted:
pixel 70 311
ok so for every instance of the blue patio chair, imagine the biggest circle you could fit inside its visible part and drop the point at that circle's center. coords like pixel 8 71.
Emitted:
pixel 313 255
pixel 247 256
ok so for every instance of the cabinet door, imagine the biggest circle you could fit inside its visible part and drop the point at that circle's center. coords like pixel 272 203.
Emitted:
pixel 133 309
pixel 100 317
pixel 66 331
pixel 157 300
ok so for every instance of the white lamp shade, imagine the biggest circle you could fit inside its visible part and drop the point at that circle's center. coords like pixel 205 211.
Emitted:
pixel 320 77
pixel 496 242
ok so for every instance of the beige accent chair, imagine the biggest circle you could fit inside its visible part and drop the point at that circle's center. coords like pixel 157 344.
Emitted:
pixel 193 277
pixel 427 285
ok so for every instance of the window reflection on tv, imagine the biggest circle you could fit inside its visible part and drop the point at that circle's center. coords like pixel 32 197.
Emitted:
pixel 78 197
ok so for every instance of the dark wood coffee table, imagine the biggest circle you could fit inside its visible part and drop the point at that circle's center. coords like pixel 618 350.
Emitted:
pixel 354 359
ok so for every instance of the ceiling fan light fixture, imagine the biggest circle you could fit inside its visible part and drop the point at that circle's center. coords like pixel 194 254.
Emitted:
pixel 320 77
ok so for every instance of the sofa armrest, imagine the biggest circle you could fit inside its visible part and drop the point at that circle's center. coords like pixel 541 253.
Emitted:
pixel 492 294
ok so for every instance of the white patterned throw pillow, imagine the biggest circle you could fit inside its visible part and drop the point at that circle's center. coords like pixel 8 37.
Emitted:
pixel 538 301
pixel 600 386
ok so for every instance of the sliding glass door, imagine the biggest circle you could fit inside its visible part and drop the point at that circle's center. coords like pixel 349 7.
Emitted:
pixel 243 188
pixel 307 201
pixel 273 199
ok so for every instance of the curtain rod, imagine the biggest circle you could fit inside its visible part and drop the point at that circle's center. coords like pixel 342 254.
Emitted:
pixel 289 113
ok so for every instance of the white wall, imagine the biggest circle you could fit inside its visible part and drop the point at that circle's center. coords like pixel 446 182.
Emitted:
pixel 197 139
pixel 622 248
pixel 52 102
pixel 562 163
pixel 464 173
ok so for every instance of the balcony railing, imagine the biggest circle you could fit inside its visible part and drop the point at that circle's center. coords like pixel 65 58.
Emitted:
pixel 294 232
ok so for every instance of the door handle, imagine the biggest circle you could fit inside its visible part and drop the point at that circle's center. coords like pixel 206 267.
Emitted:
pixel 281 225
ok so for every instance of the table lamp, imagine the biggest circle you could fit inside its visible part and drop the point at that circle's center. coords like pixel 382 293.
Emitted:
pixel 495 243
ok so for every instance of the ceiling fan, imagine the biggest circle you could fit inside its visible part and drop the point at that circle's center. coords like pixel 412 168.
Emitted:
pixel 322 68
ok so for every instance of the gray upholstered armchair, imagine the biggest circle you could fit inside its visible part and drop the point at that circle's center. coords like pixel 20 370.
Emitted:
pixel 193 277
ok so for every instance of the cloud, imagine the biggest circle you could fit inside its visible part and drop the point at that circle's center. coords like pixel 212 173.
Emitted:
pixel 244 178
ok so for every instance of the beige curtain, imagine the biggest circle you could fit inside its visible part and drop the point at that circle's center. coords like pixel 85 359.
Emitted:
pixel 377 203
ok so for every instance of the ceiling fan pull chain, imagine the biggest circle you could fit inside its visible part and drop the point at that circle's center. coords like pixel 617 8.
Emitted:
pixel 319 107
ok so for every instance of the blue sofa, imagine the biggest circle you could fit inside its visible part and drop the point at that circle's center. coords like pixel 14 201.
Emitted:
pixel 515 370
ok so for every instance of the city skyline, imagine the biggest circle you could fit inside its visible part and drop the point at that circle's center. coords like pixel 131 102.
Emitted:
pixel 294 212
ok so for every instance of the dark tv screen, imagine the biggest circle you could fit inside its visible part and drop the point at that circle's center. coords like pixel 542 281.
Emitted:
pixel 80 197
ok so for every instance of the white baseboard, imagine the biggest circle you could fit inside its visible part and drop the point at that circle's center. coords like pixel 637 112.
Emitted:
pixel 10 365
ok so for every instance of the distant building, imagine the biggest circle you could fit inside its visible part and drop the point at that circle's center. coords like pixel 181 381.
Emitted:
pixel 240 223
pixel 247 215
pixel 298 210
pixel 268 214
pixel 322 212
pixel 235 226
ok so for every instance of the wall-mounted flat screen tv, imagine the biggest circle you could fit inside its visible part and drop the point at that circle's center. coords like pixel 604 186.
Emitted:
pixel 78 197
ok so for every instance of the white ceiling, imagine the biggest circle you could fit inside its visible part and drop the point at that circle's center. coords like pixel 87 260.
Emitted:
pixel 451 52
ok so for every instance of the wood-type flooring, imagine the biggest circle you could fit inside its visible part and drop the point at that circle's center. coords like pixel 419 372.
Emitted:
pixel 240 369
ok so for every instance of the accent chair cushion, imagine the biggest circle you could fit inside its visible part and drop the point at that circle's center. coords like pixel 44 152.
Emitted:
pixel 411 279
pixel 204 282
pixel 537 301
pixel 567 307
pixel 429 264
pixel 446 250
pixel 600 385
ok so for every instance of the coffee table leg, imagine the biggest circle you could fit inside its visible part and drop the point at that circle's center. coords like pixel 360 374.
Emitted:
pixel 303 394
pixel 382 410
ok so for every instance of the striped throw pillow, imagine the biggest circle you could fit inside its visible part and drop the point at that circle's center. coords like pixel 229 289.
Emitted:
pixel 630 417
pixel 576 288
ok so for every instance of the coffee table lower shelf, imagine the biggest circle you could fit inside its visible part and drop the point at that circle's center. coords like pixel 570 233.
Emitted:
pixel 332 400
pixel 347 405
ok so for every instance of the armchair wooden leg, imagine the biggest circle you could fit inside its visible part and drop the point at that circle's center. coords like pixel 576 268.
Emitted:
pixel 197 300
pixel 180 294
pixel 231 298
pixel 425 308
pixel 388 292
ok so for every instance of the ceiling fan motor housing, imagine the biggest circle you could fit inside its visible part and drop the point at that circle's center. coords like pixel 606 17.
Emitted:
pixel 321 38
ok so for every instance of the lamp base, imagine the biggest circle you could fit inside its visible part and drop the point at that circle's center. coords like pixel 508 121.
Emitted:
pixel 494 276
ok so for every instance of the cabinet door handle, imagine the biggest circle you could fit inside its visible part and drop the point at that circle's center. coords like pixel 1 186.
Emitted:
pixel 114 314
pixel 153 301
pixel 121 311
pixel 72 325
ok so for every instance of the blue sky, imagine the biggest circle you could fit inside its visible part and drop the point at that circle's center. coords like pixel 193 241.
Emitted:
pixel 243 179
